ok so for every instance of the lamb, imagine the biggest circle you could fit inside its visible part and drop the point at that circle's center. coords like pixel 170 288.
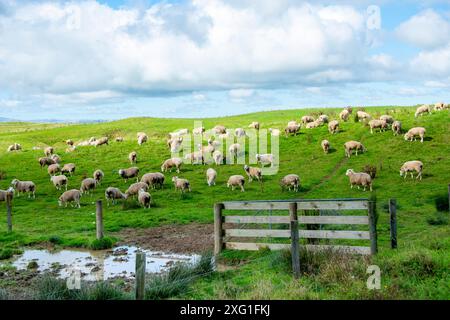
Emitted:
pixel 48 151
pixel 142 139
pixel 265 159
pixel 344 115
pixel 198 131
pixel 14 147
pixel 153 179
pixel 396 127
pixel 307 119
pixel 274 132
pixel 55 158
pixel 239 132
pixel 129 173
pixel 46 161
pixel 254 125
pixel 114 194
pixel 98 176
pixel 59 181
pixel 290 181
pixel 218 157
pixel 5 193
pixel 359 179
pixel 219 129
pixel 88 185
pixel 68 168
pixel 132 157
pixel 144 198
pixel 333 127
pixel 135 187
pixel 170 163
pixel 73 195
pixel 101 141
pixel 323 118
pixel 234 149
pixel 253 172
pixel 325 145
pixel 53 169
pixel 349 146
pixel 236 181
pixel 211 176
pixel 411 166
pixel 69 142
pixel 373 124
pixel 292 128
pixel 387 118
pixel 363 115
pixel 24 186
pixel 422 109
pixel 413 132
pixel 181 184
pixel 439 106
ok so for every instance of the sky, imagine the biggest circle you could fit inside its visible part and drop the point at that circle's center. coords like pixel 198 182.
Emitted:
pixel 112 59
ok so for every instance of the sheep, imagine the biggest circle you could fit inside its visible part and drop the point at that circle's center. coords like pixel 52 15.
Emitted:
pixel 225 135
pixel 290 181
pixel 239 132
pixel 68 168
pixel 333 127
pixel 135 187
pixel 265 159
pixel 274 132
pixel 314 124
pixel 253 172
pixel 195 157
pixel 14 147
pixel 24 186
pixel 170 163
pixel 349 146
pixel 359 179
pixel 69 142
pixel 307 119
pixel 411 166
pixel 254 125
pixel 140 134
pixel 198 131
pixel 175 144
pixel 214 143
pixel 53 169
pixel 206 149
pixel 396 127
pixel 234 149
pixel 5 193
pixel 119 139
pixel 70 149
pixel 83 143
pixel 373 124
pixel 218 157
pixel 142 139
pixel 92 140
pixel 132 157
pixel 422 109
pixel 236 181
pixel 59 181
pixel 144 198
pixel 323 118
pixel 325 145
pixel 88 185
pixel 45 161
pixel 387 118
pixel 363 115
pixel 219 129
pixel 344 115
pixel 98 176
pixel 48 151
pixel 55 158
pixel 153 179
pixel 181 184
pixel 73 195
pixel 413 132
pixel 211 176
pixel 292 128
pixel 439 106
pixel 129 173
pixel 101 141
pixel 113 194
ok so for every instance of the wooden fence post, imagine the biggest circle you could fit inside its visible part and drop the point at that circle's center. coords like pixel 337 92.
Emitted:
pixel 393 220
pixel 372 228
pixel 99 219
pixel 8 212
pixel 218 232
pixel 140 275
pixel 449 198
pixel 295 244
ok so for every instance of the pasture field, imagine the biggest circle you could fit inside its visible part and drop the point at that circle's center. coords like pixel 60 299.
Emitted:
pixel 419 268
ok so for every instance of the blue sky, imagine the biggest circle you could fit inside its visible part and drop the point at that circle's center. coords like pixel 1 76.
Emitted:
pixel 114 59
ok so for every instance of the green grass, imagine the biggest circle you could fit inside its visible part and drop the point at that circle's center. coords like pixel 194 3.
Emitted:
pixel 322 176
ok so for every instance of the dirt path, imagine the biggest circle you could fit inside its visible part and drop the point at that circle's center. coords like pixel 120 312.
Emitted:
pixel 327 177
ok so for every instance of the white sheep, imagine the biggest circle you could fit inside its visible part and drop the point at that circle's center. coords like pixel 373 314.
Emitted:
pixel 132 157
pixel 254 125
pixel 307 119
pixel 175 144
pixel 14 147
pixel 211 176
pixel 153 179
pixel 359 179
pixel 411 166
pixel 181 184
pixel 439 106
pixel 220 129
pixel 88 185
pixel 274 132
pixel 170 163
pixel 195 157
pixel 396 127
pixel 45 161
pixel 389 119
pixel 218 157
pixel 112 194
pixel 59 181
pixel 101 141
pixel 24 186
pixel 314 124
pixel 98 176
pixel 142 138
pixel 129 173
pixel 290 181
pixel 236 181
pixel 265 159
pixel 234 149
pixel 292 128
pixel 134 188
pixel 413 132
pixel 68 168
pixel 53 169
pixel 253 172
pixel 422 109
pixel 48 151
pixel 349 146
pixel 323 118
pixel 144 198
pixel 239 132
pixel 56 158
pixel 325 145
pixel 333 127
pixel 5 193
pixel 363 115
pixel 198 131
pixel 73 195
pixel 381 124
pixel 344 115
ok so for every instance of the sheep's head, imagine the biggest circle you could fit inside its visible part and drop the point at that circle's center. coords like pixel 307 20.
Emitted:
pixel 121 172
pixel 349 172
pixel 406 136
pixel 175 178
pixel 246 168
pixel 257 156
pixel 401 172
pixel 14 183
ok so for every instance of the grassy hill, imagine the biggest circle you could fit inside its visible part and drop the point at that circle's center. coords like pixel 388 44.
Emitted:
pixel 322 176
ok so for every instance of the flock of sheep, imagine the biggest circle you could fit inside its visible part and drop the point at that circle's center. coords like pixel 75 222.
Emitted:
pixel 59 175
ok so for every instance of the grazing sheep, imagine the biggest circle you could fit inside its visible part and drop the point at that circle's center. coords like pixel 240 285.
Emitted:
pixel 195 157
pixel 46 161
pixel 290 181
pixel 264 159
pixel 24 186
pixel 132 157
pixel 239 132
pixel 333 127
pixel 68 168
pixel 219 129
pixel 411 166
pixel 129 173
pixel 114 194
pixel 175 144
pixel 396 127
pixel 5 193
pixel 254 125
pixel 236 181
pixel 144 198
pixel 349 146
pixel 92 140
pixel 153 179
pixel 359 179
pixel 314 124
pixel 69 142
pixel 422 109
pixel 413 132
pixel 323 118
pixel 48 151
pixel 140 134
pixel 307 119
pixel 98 176
pixel 14 147
pixel 88 185
pixel 53 169
pixel 253 172
pixel 119 139
pixel 214 143
pixel 73 195
pixel 387 118
pixel 135 187
pixel 363 115
pixel 439 106
pixel 344 115
pixel 274 132
pixel 142 139
pixel 218 157
pixel 325 145
pixel 234 149
pixel 225 135
pixel 206 149
pixel 83 143
pixel 181 184
pixel 381 124
pixel 59 181
pixel 55 158
pixel 170 163
pixel 292 128
pixel 101 141
pixel 211 176
pixel 198 131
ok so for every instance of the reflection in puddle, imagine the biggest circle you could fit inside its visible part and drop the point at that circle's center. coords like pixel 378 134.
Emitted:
pixel 99 265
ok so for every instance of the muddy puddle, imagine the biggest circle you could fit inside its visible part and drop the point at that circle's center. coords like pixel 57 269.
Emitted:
pixel 97 265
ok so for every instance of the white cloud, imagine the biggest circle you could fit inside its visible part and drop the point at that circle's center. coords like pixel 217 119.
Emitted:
pixel 433 62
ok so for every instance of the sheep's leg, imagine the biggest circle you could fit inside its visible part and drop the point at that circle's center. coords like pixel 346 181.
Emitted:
pixel 242 188
pixel 412 176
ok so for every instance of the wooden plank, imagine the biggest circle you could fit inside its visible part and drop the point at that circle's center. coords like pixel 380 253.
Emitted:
pixel 373 229
pixel 257 219
pixel 334 234
pixel 393 222
pixel 255 233
pixel 363 220
pixel 99 219
pixel 140 275
pixel 345 249
pixel 295 250
pixel 301 205
pixel 218 232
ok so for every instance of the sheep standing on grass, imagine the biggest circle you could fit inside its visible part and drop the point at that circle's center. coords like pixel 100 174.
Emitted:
pixel 234 149
pixel 195 157
pixel 129 173
pixel 359 179
pixel 314 124
pixel 198 131
pixel 5 193
pixel 68 168
pixel 253 172
pixel 349 146
pixel 46 161
pixel 88 185
pixel 153 179
pixel 175 144
pixel 171 163
pixel 422 109
pixel 361 115
pixel 48 151
pixel 439 106
pixel 14 147
pixel 413 132
pixel 396 127
pixel 389 120
pixel 239 132
pixel 55 158
pixel 344 115
pixel 265 159
pixel 53 169
pixel 133 189
pixel 24 186
pixel 333 127
pixel 144 198
pixel 113 194
pixel 181 184
pixel 73 195
pixel 411 166
pixel 290 181
pixel 142 138
pixel 274 132
pixel 254 125
pixel 374 124
pixel 220 129
pixel 236 181
pixel 211 176
pixel 218 157
pixel 101 141
pixel 323 118
pixel 292 128
pixel 307 119
pixel 59 181
pixel 325 145
pixel 132 157
pixel 98 176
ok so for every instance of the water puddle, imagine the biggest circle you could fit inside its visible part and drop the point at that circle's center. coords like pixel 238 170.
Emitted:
pixel 98 265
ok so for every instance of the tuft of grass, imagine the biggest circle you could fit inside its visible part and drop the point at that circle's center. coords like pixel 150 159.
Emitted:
pixel 4 295
pixel 50 288
pixel 99 291
pixel 6 253
pixel 55 240
pixel 441 203
pixel 101 244
pixel 441 219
